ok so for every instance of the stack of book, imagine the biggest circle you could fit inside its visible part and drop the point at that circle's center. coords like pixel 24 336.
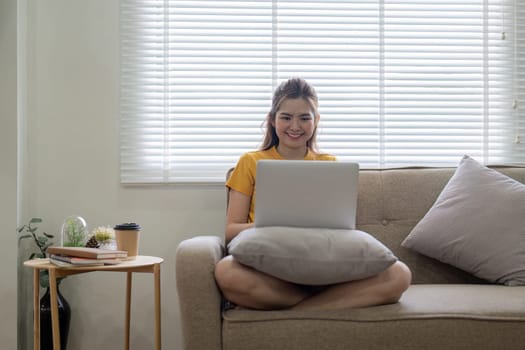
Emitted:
pixel 83 256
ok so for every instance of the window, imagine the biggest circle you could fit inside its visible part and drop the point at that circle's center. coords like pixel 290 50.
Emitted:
pixel 400 83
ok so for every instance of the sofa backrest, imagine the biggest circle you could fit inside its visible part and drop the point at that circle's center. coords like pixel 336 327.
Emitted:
pixel 392 201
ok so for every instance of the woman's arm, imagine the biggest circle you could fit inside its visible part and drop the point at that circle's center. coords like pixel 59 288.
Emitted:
pixel 237 215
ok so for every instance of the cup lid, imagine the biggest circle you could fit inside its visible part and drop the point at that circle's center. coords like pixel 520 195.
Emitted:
pixel 128 226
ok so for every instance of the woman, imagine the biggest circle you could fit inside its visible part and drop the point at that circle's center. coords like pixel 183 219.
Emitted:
pixel 291 134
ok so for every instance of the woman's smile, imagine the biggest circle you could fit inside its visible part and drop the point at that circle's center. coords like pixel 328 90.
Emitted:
pixel 294 135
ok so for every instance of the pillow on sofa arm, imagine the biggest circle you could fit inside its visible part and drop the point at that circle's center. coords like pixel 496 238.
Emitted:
pixel 311 256
pixel 477 224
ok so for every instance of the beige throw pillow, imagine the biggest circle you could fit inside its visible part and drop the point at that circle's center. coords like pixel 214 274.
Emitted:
pixel 311 256
pixel 476 224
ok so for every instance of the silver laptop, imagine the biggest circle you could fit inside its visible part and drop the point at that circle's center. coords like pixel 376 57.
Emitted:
pixel 306 193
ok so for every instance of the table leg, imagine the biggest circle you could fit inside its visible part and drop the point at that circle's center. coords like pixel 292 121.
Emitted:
pixel 54 309
pixel 128 309
pixel 36 309
pixel 156 274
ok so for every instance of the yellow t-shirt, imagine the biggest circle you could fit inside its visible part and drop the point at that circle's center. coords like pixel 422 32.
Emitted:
pixel 242 178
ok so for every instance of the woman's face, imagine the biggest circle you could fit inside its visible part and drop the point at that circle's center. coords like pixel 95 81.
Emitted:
pixel 294 124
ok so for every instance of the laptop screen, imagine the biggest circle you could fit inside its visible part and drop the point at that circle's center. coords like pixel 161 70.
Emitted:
pixel 306 193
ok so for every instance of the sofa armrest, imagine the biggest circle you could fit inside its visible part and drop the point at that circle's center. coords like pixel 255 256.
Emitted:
pixel 199 296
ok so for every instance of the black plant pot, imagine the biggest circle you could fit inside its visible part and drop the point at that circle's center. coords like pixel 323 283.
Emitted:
pixel 64 317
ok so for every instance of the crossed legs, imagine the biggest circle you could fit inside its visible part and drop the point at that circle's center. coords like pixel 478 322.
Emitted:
pixel 252 289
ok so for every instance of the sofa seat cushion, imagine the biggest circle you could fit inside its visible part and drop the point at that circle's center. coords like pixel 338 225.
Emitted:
pixel 493 302
pixel 456 317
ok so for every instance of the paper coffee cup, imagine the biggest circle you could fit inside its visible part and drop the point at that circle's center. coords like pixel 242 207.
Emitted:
pixel 127 237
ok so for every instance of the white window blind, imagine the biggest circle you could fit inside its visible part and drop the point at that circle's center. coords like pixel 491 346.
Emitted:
pixel 400 83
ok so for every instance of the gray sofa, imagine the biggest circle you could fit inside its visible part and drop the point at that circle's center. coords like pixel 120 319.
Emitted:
pixel 444 308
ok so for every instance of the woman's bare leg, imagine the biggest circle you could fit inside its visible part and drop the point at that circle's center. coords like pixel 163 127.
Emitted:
pixel 249 288
pixel 384 288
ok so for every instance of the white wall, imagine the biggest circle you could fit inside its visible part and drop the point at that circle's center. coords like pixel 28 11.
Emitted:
pixel 8 173
pixel 72 169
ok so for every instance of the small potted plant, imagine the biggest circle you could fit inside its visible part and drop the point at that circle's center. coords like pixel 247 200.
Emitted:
pixel 44 241
pixel 74 232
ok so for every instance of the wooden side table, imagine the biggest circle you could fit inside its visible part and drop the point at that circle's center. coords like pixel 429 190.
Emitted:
pixel 149 264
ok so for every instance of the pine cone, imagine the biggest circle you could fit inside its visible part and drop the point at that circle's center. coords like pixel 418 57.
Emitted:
pixel 92 243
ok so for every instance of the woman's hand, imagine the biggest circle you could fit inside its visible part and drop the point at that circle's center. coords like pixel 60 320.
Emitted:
pixel 237 214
